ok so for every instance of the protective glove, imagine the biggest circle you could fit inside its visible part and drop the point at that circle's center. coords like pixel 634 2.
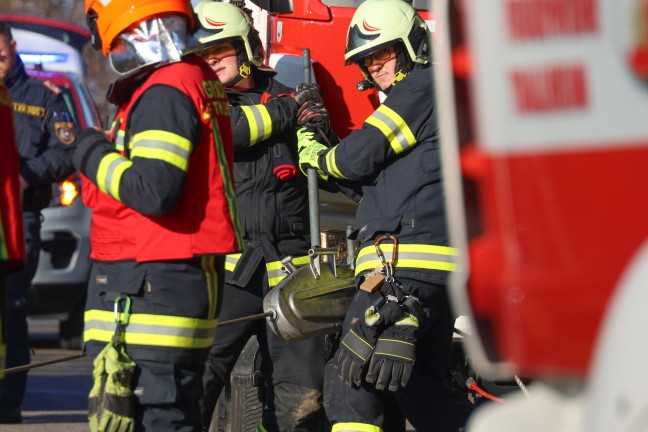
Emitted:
pixel 305 92
pixel 309 151
pixel 314 116
pixel 118 408
pixel 393 358
pixel 358 343
pixel 95 398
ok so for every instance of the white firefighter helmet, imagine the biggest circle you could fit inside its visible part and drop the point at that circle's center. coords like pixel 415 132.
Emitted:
pixel 220 22
pixel 380 23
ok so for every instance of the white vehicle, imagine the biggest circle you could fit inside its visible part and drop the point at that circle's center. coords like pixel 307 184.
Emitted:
pixel 542 107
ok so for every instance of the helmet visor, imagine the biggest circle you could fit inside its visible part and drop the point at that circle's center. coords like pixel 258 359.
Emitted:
pixel 158 40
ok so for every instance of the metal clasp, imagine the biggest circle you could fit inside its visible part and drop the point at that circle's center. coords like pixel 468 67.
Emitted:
pixel 387 266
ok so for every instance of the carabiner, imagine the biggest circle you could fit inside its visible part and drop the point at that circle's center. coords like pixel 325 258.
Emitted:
pixel 122 320
pixel 388 266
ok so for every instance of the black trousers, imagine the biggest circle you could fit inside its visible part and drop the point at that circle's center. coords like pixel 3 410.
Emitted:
pixel 293 371
pixel 167 382
pixel 18 350
pixel 427 401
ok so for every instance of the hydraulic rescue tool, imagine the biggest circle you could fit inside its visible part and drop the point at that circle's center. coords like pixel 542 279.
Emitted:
pixel 311 300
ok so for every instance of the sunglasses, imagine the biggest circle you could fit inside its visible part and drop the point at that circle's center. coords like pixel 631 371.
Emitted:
pixel 218 52
pixel 382 55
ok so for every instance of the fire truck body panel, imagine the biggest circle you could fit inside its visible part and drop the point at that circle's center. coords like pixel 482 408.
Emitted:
pixel 552 173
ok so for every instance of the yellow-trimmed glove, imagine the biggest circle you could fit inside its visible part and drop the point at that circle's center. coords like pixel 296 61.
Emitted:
pixel 96 396
pixel 358 343
pixel 309 152
pixel 119 403
pixel 393 358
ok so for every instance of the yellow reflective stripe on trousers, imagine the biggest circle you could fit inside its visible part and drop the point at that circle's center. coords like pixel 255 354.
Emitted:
pixel 394 128
pixel 151 330
pixel 231 260
pixel 4 252
pixel 416 256
pixel 259 122
pixel 331 165
pixel 227 184
pixel 3 358
pixel 164 146
pixel 276 275
pixel 211 279
pixel 355 427
pixel 111 169
pixel 261 428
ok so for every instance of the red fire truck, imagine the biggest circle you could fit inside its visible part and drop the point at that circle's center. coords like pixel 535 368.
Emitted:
pixel 542 106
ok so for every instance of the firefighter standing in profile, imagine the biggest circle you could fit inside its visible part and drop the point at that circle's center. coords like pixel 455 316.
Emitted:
pixel 12 242
pixel 46 139
pixel 274 206
pixel 164 216
pixel 397 334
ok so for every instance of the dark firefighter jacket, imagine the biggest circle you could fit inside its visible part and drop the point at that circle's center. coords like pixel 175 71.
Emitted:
pixel 274 212
pixel 395 159
pixel 45 135
pixel 162 188
pixel 12 243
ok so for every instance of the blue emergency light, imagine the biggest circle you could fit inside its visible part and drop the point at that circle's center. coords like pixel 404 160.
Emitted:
pixel 43 58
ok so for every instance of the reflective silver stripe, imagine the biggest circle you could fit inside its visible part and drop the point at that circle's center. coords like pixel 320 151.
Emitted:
pixel 428 257
pixel 276 275
pixel 152 329
pixel 231 261
pixel 162 145
pixel 394 128
pixel 259 122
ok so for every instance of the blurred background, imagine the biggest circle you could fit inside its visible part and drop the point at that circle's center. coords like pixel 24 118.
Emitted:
pixel 99 73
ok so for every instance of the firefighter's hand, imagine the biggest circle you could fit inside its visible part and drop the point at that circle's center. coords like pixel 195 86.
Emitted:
pixel 305 92
pixel 309 152
pixel 393 358
pixel 357 344
pixel 117 411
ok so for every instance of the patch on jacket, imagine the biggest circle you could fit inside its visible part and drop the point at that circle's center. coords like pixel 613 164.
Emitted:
pixel 33 110
pixel 65 132
pixel 49 85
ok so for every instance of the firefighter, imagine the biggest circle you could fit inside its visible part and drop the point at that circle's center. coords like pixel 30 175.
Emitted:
pixel 274 202
pixel 163 217
pixel 12 242
pixel 46 139
pixel 397 334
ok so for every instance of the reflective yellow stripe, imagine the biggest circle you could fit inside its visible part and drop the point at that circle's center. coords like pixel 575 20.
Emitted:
pixel 355 427
pixel 261 428
pixel 162 145
pixel 394 128
pixel 259 122
pixel 4 252
pixel 211 277
pixel 111 169
pixel 231 260
pixel 3 357
pixel 416 256
pixel 120 139
pixel 331 166
pixel 227 183
pixel 151 330
pixel 276 275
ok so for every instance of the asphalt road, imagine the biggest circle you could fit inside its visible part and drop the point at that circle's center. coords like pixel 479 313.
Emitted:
pixel 57 394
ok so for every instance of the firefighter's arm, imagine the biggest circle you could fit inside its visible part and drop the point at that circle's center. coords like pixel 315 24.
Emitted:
pixel 400 123
pixel 59 135
pixel 252 124
pixel 164 128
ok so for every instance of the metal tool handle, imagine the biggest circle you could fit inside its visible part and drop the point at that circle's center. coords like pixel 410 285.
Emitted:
pixel 313 187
